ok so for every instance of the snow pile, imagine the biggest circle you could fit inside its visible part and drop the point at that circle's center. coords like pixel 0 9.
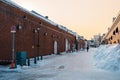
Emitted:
pixel 108 57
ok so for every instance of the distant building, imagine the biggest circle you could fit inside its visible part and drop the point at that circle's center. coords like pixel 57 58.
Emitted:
pixel 102 38
pixel 95 41
pixel 92 43
pixel 113 34
pixel 80 42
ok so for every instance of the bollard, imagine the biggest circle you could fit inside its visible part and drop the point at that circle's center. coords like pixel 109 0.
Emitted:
pixel 21 62
pixel 41 57
pixel 28 62
pixel 35 61
pixel 15 63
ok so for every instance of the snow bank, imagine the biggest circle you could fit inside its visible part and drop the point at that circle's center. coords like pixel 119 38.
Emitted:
pixel 108 57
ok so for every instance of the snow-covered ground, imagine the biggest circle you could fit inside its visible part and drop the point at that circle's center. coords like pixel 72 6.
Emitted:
pixel 70 66
pixel 108 57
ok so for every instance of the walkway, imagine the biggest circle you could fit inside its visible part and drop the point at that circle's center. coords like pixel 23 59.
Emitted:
pixel 71 66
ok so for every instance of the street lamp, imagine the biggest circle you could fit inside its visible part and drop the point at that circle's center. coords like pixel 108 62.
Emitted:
pixel 34 31
pixel 18 27
pixel 38 44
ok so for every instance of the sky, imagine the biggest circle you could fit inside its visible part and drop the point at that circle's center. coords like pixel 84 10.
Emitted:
pixel 86 17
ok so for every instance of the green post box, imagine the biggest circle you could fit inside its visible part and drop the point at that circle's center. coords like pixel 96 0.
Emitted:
pixel 21 58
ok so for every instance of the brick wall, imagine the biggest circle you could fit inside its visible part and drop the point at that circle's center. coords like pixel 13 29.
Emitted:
pixel 26 38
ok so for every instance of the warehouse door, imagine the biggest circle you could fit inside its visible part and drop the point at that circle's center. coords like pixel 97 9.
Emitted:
pixel 66 45
pixel 55 47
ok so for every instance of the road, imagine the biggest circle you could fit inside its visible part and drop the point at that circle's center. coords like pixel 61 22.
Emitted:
pixel 70 66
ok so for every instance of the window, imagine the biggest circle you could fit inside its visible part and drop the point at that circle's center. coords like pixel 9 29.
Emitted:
pixel 114 42
pixel 114 33
pixel 111 37
pixel 25 17
pixel 117 30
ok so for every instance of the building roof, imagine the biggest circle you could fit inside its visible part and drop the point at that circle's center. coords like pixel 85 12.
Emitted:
pixel 113 25
pixel 34 13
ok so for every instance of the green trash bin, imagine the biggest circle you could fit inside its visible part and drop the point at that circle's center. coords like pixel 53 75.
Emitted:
pixel 21 58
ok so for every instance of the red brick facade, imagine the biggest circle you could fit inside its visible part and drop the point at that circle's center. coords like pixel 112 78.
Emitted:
pixel 26 38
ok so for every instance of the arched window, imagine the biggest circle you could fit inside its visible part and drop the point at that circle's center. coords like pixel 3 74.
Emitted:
pixel 117 30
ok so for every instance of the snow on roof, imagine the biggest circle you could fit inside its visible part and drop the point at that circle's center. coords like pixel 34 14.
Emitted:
pixel 79 37
pixel 29 12
pixel 67 30
pixel 34 13
pixel 43 18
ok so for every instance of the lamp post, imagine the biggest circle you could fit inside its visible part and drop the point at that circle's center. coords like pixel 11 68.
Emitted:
pixel 38 44
pixel 34 31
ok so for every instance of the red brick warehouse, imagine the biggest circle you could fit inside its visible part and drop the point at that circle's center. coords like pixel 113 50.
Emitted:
pixel 35 34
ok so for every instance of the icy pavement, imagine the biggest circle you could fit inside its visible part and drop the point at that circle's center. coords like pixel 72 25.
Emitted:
pixel 70 66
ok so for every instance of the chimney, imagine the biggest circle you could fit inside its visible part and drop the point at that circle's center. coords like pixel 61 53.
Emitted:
pixel 114 19
pixel 46 17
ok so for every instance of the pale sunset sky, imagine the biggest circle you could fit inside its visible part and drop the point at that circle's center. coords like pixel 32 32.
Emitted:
pixel 86 17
